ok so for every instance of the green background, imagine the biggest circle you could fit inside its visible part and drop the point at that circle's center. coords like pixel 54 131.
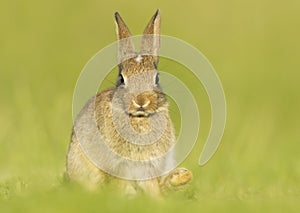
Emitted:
pixel 254 47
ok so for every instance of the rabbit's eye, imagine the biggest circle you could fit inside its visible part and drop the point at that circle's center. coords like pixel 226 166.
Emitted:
pixel 121 80
pixel 156 79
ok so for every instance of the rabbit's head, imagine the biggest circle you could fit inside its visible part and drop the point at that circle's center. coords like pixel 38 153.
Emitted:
pixel 137 87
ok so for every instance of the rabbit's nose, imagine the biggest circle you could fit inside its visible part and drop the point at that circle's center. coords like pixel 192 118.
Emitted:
pixel 146 104
pixel 135 104
pixel 141 104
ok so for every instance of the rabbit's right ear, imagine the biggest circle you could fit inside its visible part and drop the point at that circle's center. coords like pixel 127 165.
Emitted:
pixel 126 47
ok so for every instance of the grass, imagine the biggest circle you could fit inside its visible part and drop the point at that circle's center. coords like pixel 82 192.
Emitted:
pixel 252 44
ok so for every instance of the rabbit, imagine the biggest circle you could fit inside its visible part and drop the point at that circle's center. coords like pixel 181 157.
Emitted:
pixel 136 106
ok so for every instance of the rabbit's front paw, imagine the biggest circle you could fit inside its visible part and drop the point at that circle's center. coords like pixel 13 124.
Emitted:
pixel 176 180
pixel 179 177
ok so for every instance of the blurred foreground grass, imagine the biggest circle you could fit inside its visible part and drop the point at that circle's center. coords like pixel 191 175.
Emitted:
pixel 254 46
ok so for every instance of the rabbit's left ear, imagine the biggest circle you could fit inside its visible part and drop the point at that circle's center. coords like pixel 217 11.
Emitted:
pixel 151 37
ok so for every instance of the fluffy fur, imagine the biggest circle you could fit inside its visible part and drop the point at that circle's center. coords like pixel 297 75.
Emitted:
pixel 138 105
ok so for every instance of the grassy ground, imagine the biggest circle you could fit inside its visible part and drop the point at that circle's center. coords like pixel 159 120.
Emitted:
pixel 254 46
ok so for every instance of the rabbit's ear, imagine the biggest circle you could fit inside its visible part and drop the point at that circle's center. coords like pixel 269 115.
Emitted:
pixel 151 38
pixel 126 47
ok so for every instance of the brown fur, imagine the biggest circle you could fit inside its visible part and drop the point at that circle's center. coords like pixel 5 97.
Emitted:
pixel 139 108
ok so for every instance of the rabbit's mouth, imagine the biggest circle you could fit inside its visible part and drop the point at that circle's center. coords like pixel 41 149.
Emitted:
pixel 143 105
pixel 140 114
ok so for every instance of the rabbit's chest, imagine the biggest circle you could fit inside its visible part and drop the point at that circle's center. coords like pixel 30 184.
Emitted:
pixel 140 125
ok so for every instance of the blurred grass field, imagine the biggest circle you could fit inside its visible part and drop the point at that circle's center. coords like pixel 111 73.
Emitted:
pixel 254 47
